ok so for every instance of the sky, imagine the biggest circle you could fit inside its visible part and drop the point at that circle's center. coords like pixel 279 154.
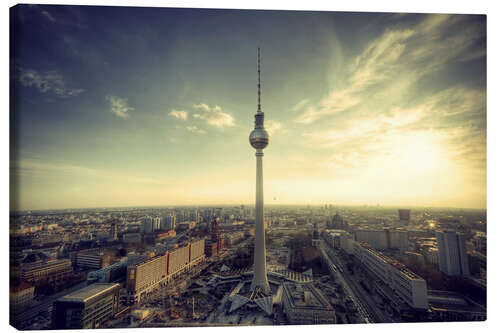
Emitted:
pixel 117 106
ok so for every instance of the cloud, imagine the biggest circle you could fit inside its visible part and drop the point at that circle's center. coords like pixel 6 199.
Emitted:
pixel 179 114
pixel 214 116
pixel 299 105
pixel 119 106
pixel 389 67
pixel 202 106
pixel 450 123
pixel 50 81
pixel 273 126
pixel 195 129
pixel 39 168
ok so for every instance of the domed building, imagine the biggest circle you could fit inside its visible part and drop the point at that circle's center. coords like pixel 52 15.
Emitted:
pixel 337 222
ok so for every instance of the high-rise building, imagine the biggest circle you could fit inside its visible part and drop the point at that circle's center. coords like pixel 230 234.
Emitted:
pixel 315 235
pixel 452 253
pixel 147 224
pixel 156 223
pixel 168 222
pixel 113 232
pixel 404 216
pixel 259 140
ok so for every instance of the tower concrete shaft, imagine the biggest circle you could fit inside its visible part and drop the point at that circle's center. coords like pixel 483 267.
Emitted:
pixel 260 270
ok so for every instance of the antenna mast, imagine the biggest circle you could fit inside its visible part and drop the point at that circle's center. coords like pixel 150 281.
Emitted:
pixel 258 85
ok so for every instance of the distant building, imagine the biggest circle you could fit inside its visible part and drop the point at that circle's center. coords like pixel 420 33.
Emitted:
pixel 156 223
pixel 88 307
pixel 305 305
pixel 147 224
pixel 431 255
pixel 339 239
pixel 113 232
pixel 337 222
pixel 234 237
pixel 453 258
pixel 132 238
pixel 404 216
pixel 315 236
pixel 383 239
pixel 168 222
pixel 164 235
pixel 216 242
pixel 183 226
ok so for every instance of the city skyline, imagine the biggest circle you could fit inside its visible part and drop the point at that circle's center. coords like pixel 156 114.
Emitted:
pixel 363 108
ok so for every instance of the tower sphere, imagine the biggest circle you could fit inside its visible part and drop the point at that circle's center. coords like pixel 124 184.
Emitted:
pixel 259 138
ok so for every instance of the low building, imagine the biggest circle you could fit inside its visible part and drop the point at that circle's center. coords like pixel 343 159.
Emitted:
pixel 21 296
pixel 414 257
pixel 112 273
pixel 383 239
pixel 213 247
pixel 234 237
pixel 431 255
pixel 303 304
pixel 164 235
pixel 451 306
pixel 186 226
pixel 88 307
pixel 47 271
pixel 405 284
pixel 91 259
pixel 132 238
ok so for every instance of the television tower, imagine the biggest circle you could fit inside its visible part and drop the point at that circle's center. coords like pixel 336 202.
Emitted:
pixel 259 140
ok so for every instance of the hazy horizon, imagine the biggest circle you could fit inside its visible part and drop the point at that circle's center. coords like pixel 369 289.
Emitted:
pixel 116 107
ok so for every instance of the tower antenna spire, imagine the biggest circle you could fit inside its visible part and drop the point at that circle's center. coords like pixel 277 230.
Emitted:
pixel 258 84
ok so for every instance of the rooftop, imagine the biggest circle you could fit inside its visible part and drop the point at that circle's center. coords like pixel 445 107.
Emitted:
pixel 20 287
pixel 85 294
pixel 393 262
pixel 306 296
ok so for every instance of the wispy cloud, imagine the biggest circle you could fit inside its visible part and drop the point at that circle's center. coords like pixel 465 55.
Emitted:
pixel 300 105
pixel 273 126
pixel 452 120
pixel 179 114
pixel 47 82
pixel 390 66
pixel 214 116
pixel 119 106
pixel 39 168
pixel 195 129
